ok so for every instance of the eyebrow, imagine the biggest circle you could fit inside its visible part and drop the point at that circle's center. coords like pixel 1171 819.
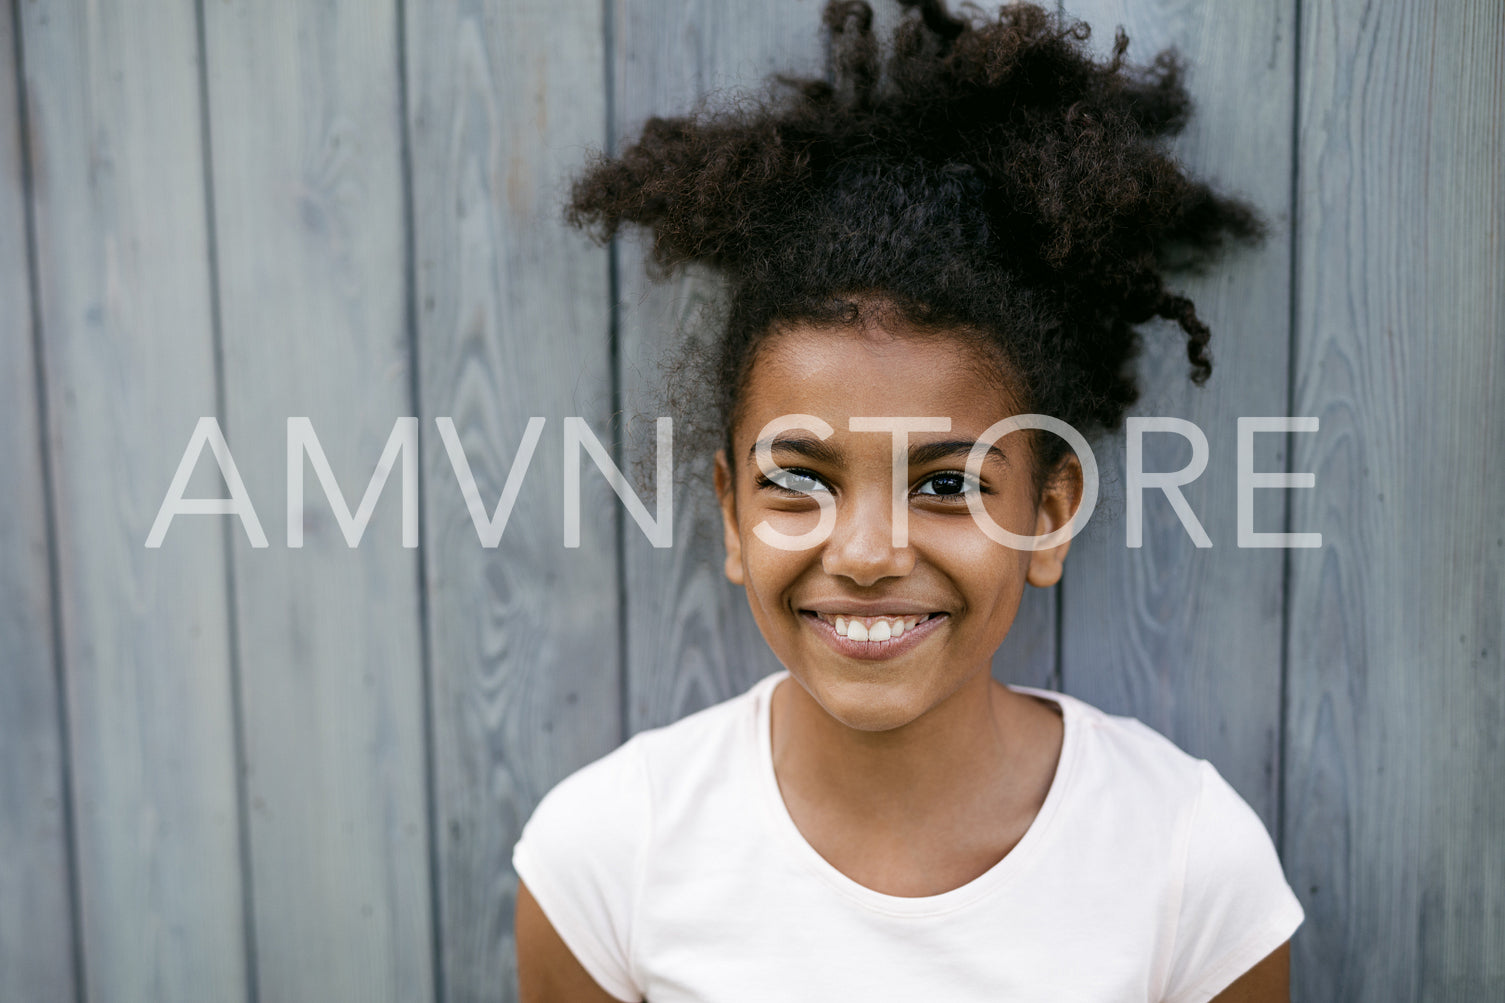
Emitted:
pixel 920 454
pixel 807 446
pixel 925 453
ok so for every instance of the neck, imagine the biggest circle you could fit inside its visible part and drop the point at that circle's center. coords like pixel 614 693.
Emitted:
pixel 965 751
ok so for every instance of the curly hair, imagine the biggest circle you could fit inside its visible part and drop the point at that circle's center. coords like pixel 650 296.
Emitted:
pixel 986 177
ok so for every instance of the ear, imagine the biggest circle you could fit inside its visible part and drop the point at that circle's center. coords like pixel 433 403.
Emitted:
pixel 729 534
pixel 1058 503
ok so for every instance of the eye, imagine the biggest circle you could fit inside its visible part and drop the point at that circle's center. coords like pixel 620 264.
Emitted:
pixel 792 481
pixel 948 484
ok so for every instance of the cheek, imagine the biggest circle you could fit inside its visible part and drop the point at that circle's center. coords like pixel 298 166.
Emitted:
pixel 769 569
pixel 764 563
pixel 1013 508
pixel 986 571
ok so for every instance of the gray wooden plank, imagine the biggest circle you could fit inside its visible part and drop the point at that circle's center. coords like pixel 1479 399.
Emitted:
pixel 306 124
pixel 124 304
pixel 1027 656
pixel 36 913
pixel 1030 654
pixel 1188 640
pixel 514 322
pixel 1395 796
pixel 691 640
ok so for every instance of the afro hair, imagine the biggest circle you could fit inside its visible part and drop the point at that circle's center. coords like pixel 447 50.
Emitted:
pixel 986 175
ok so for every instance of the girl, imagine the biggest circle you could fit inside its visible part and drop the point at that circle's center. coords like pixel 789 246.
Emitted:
pixel 915 249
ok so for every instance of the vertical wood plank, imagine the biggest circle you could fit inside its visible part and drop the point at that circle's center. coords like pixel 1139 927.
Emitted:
pixel 514 322
pixel 691 640
pixel 1395 796
pixel 36 913
pixel 116 160
pixel 1188 640
pixel 306 123
pixel 1027 656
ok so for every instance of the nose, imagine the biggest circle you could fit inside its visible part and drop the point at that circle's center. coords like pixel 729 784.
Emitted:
pixel 861 545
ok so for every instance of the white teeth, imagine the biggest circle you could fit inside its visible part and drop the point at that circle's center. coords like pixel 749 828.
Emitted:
pixel 872 629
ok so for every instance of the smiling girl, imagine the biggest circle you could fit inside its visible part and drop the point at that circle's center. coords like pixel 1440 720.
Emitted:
pixel 915 249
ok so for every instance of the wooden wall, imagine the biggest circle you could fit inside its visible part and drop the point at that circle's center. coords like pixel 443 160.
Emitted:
pixel 253 774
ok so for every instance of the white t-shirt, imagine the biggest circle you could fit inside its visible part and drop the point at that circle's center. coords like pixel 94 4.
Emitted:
pixel 673 872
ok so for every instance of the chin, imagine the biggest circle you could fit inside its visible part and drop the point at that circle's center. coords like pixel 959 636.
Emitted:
pixel 868 705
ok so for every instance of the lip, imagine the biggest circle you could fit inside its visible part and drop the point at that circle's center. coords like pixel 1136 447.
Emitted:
pixel 873 651
pixel 867 607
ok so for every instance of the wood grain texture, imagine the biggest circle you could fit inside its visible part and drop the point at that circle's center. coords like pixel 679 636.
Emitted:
pixel 306 154
pixel 514 322
pixel 1188 640
pixel 116 157
pixel 1395 793
pixel 36 912
pixel 1394 797
pixel 1027 656
pixel 691 640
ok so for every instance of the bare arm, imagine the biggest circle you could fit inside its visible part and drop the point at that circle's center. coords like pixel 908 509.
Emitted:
pixel 547 971
pixel 1267 982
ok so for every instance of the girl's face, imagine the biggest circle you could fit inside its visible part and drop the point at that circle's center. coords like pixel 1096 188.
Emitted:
pixel 946 597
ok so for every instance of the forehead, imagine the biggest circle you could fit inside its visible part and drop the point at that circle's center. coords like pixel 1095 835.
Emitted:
pixel 836 373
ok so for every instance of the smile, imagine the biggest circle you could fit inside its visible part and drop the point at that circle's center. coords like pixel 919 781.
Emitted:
pixel 873 637
pixel 872 628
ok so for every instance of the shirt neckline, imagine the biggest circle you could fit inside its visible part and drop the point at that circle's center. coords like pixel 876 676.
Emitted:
pixel 1014 862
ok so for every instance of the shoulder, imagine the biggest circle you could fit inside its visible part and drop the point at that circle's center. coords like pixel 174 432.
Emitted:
pixel 1125 762
pixel 1235 904
pixel 606 810
pixel 629 779
pixel 583 852
pixel 1228 902
pixel 584 883
pixel 1116 759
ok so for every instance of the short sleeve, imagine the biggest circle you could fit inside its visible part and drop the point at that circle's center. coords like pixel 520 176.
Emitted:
pixel 1236 906
pixel 581 854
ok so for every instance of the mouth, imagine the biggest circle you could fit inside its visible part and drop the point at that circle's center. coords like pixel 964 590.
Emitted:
pixel 872 629
pixel 876 636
